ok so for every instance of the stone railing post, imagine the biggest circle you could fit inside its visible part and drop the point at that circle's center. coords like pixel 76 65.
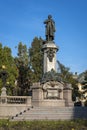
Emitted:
pixel 28 100
pixel 3 96
pixel 37 92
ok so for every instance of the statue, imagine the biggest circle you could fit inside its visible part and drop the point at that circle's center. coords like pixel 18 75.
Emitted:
pixel 50 28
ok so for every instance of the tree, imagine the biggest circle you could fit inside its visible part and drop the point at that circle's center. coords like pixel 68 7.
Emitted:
pixel 83 81
pixel 7 60
pixel 36 59
pixel 67 76
pixel 22 63
pixel 29 65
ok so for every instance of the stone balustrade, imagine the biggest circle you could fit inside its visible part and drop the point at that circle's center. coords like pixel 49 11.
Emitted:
pixel 15 99
pixel 11 105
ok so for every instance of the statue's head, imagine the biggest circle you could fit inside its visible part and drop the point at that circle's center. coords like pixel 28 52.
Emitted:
pixel 49 16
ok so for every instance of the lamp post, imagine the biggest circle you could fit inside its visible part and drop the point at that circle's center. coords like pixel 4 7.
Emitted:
pixel 3 76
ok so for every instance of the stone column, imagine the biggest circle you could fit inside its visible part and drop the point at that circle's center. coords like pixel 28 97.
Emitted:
pixel 67 95
pixel 49 60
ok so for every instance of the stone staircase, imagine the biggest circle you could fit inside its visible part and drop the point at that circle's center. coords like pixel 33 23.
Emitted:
pixel 52 113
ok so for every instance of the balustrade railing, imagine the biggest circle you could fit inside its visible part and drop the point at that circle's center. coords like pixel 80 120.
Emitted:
pixel 15 99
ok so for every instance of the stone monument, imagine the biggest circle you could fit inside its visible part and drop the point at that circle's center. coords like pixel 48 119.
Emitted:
pixel 49 48
pixel 51 90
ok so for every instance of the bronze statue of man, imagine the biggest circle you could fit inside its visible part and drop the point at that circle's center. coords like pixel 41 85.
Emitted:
pixel 50 28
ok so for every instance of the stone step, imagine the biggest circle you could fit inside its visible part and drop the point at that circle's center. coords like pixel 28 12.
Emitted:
pixel 63 113
pixel 52 114
pixel 47 118
pixel 44 116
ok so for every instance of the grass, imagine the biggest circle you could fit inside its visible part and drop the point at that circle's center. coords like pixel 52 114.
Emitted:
pixel 43 125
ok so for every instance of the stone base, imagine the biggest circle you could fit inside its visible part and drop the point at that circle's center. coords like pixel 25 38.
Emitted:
pixel 48 103
pixel 69 103
pixel 51 94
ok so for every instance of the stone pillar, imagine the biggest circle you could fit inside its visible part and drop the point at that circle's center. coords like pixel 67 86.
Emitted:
pixel 67 95
pixel 37 92
pixel 49 60
pixel 3 95
pixel 28 100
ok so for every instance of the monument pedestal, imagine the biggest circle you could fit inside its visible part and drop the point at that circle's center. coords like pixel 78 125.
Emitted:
pixel 51 91
pixel 49 61
pixel 48 103
pixel 49 94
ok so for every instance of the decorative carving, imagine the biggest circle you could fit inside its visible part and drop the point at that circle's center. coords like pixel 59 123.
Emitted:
pixel 51 76
pixel 50 54
pixel 52 90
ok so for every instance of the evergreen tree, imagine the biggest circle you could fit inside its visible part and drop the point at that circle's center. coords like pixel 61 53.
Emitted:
pixel 67 76
pixel 22 63
pixel 36 59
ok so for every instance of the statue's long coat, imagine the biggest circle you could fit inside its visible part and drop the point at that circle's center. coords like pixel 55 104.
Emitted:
pixel 50 27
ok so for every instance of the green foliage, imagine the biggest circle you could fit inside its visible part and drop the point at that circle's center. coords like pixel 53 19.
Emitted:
pixel 43 125
pixel 36 59
pixel 25 68
pixel 84 82
pixel 22 63
pixel 67 76
pixel 29 65
pixel 82 79
pixel 7 60
pixel 23 54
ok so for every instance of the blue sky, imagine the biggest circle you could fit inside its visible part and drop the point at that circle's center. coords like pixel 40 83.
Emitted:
pixel 22 20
